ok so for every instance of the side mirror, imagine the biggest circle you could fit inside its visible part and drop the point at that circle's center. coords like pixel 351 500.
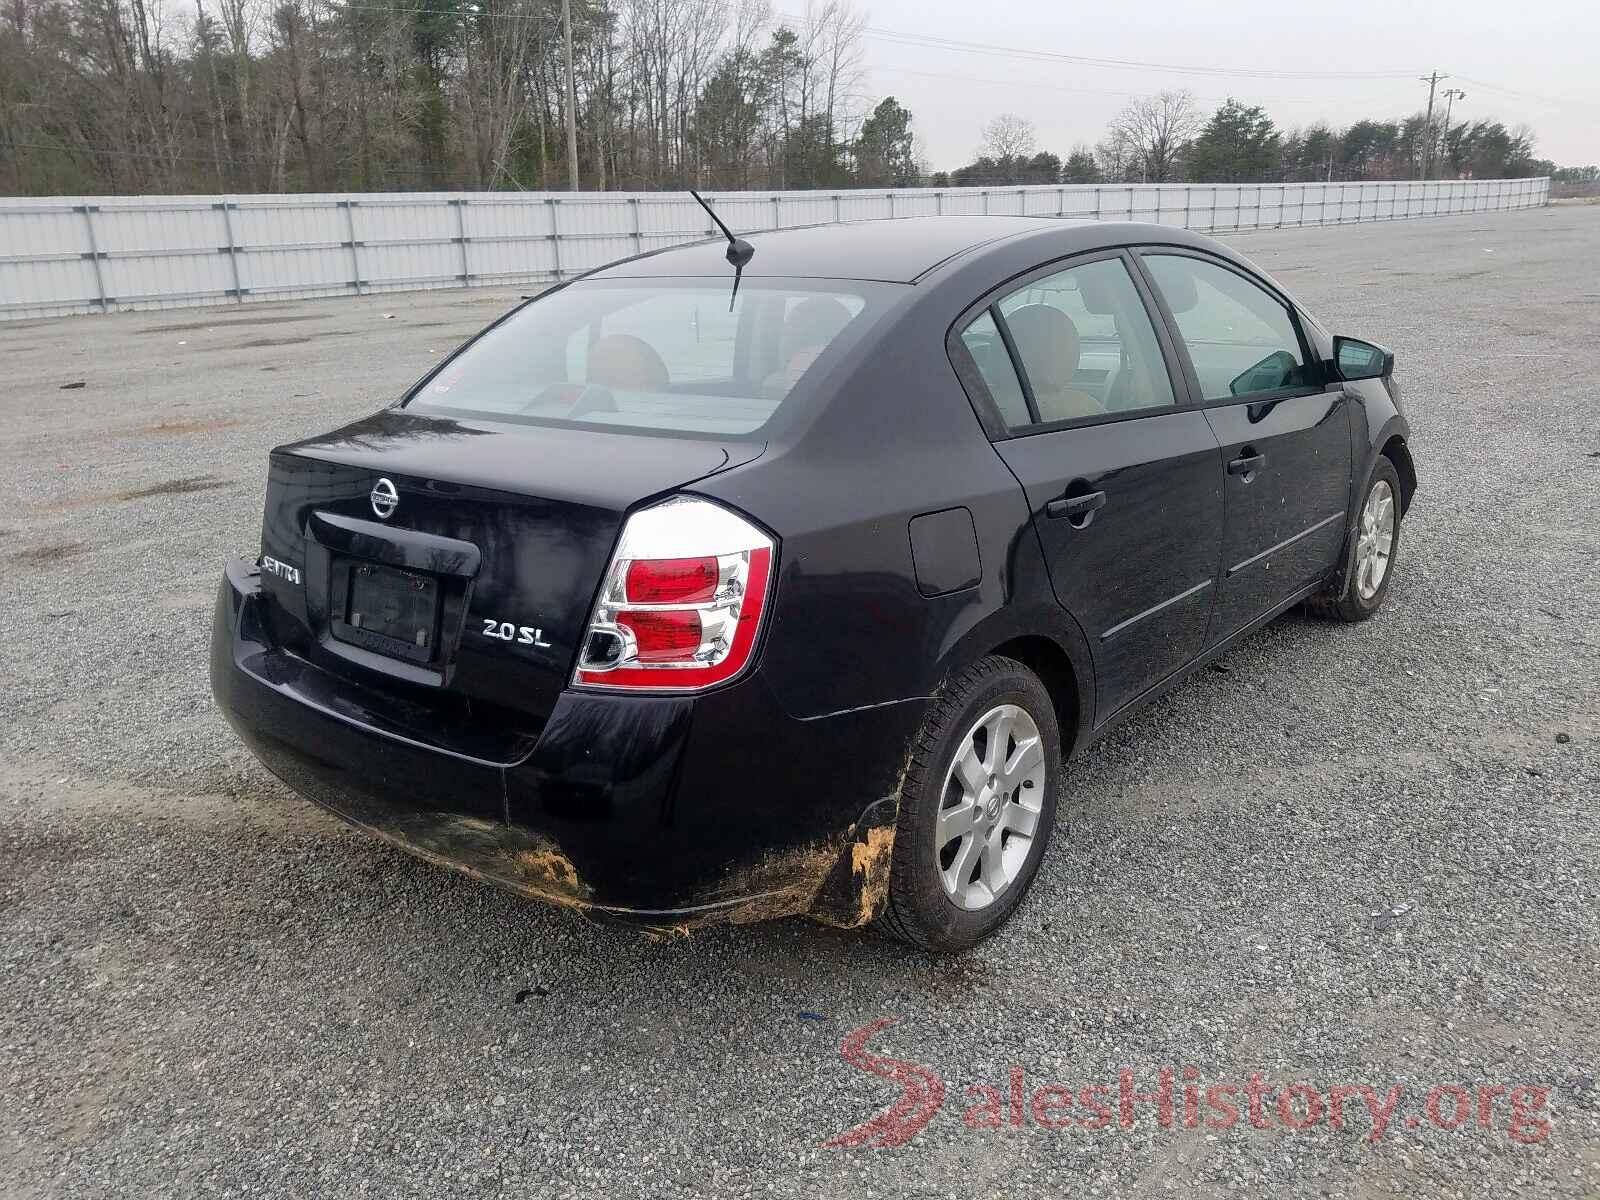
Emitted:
pixel 1354 359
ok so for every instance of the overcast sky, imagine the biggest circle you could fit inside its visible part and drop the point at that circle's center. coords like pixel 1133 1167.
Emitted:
pixel 1537 63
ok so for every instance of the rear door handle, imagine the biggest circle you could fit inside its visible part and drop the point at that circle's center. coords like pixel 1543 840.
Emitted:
pixel 1075 506
pixel 1246 464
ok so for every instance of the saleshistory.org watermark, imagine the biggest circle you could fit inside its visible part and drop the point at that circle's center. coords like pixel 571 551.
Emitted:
pixel 1179 1096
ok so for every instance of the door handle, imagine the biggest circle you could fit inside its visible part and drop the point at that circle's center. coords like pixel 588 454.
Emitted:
pixel 1075 506
pixel 1246 464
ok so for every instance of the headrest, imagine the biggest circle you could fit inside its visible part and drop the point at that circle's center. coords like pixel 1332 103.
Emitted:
pixel 814 323
pixel 1096 292
pixel 620 360
pixel 1177 286
pixel 1045 334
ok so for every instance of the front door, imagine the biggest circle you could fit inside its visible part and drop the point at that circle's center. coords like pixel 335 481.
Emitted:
pixel 1125 485
pixel 1285 440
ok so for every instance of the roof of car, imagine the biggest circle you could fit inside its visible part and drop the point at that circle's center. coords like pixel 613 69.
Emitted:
pixel 899 250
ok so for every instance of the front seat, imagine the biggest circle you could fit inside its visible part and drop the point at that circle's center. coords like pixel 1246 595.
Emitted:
pixel 626 363
pixel 1049 344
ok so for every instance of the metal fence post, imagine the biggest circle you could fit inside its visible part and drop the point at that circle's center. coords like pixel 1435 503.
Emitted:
pixel 891 204
pixel 638 228
pixel 1097 202
pixel 1061 202
pixel 232 250
pixel 986 202
pixel 93 254
pixel 350 228
pixel 555 238
pixel 838 210
pixel 459 203
pixel 777 212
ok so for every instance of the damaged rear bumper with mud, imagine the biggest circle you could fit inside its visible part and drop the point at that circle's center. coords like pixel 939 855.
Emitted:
pixel 672 811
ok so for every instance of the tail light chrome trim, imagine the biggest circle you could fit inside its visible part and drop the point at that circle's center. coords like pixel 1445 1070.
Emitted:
pixel 623 648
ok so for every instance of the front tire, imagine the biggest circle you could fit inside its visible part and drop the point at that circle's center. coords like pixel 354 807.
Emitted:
pixel 1370 551
pixel 976 809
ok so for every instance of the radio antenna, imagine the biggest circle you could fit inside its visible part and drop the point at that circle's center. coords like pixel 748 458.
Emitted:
pixel 739 251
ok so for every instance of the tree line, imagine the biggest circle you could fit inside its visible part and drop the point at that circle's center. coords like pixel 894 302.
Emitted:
pixel 197 96
pixel 131 96
pixel 1167 139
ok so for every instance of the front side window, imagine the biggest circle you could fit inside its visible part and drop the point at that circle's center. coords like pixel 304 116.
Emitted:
pixel 1083 347
pixel 1086 343
pixel 1241 339
pixel 668 355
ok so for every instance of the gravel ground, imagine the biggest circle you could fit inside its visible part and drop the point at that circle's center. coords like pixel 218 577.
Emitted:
pixel 1350 856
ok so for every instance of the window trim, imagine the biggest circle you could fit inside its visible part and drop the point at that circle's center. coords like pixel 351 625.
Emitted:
pixel 977 387
pixel 1003 327
pixel 1192 378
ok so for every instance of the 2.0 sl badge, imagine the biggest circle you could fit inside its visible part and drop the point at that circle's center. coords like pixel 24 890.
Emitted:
pixel 527 635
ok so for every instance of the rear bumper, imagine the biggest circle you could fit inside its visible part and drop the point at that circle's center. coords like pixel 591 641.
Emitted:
pixel 673 811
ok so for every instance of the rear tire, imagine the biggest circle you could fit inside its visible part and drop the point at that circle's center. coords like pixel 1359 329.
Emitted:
pixel 1370 551
pixel 982 780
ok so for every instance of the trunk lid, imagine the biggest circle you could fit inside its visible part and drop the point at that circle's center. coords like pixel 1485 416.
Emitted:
pixel 504 532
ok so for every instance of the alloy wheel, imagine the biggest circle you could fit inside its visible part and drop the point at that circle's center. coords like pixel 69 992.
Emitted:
pixel 1375 540
pixel 992 798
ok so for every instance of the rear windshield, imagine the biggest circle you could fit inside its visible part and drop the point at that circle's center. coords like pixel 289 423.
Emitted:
pixel 657 354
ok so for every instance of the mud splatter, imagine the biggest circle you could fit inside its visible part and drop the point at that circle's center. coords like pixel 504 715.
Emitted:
pixel 552 875
pixel 869 863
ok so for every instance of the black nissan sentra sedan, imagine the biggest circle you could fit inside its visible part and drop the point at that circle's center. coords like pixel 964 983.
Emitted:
pixel 750 579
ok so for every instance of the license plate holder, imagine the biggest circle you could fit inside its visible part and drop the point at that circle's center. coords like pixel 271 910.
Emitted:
pixel 387 610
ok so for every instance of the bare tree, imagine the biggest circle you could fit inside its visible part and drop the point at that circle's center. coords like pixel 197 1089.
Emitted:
pixel 1154 130
pixel 1007 138
pixel 841 57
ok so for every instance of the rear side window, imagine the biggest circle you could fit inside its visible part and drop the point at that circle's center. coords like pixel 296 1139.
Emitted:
pixel 1240 338
pixel 669 355
pixel 988 349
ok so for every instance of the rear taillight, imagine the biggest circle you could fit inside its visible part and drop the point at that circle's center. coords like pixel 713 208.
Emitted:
pixel 682 599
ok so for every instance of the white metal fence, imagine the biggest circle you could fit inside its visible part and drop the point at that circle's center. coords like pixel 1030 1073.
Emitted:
pixel 85 255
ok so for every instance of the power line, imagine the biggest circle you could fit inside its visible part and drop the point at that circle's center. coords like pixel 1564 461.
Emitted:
pixel 1124 94
pixel 1495 87
pixel 931 42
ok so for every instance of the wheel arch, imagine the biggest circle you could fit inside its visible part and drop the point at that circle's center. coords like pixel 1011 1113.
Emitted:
pixel 1398 453
pixel 1054 667
pixel 1046 640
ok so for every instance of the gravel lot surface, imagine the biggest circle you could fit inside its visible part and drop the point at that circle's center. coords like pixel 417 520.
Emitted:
pixel 1362 855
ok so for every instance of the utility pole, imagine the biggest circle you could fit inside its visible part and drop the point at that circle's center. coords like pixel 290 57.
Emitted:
pixel 1432 80
pixel 572 99
pixel 1451 95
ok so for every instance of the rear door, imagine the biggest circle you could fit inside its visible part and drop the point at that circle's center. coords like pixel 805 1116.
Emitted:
pixel 1285 439
pixel 1125 485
